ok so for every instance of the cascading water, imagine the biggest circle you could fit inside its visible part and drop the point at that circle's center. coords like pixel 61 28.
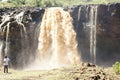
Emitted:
pixel 57 45
pixel 8 28
pixel 4 44
pixel 79 13
pixel 57 40
pixel 93 23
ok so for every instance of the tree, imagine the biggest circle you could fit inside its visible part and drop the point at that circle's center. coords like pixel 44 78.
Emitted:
pixel 22 2
pixel 38 3
pixel 18 2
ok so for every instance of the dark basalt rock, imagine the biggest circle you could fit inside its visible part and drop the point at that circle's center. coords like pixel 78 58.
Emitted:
pixel 21 35
pixel 107 32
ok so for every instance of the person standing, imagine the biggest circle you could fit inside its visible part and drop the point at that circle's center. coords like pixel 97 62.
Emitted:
pixel 6 63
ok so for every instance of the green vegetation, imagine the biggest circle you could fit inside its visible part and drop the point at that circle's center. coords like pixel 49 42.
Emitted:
pixel 47 3
pixel 116 67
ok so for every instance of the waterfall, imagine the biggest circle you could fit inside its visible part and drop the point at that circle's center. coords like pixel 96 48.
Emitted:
pixel 93 23
pixel 79 13
pixel 24 54
pixel 14 28
pixel 7 39
pixel 57 40
pixel 4 30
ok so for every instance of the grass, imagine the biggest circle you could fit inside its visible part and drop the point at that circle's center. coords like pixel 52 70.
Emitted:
pixel 6 4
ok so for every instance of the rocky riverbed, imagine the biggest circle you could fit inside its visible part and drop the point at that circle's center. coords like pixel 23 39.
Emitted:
pixel 85 71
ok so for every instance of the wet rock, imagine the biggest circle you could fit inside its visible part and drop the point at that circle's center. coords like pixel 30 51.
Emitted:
pixel 90 65
pixel 77 78
pixel 97 77
pixel 18 24
pixel 108 30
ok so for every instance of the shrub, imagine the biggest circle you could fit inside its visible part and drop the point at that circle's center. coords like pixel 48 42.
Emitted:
pixel 116 67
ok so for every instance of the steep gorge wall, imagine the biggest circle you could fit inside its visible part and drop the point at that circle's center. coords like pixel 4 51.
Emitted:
pixel 21 39
pixel 107 32
pixel 19 34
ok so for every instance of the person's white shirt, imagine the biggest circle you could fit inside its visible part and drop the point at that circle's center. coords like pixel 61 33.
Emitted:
pixel 6 61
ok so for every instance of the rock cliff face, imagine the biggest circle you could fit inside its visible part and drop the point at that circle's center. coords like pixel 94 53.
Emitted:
pixel 107 31
pixel 97 28
pixel 18 38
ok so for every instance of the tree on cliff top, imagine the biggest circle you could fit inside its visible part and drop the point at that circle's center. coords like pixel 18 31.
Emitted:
pixel 18 2
pixel 42 3
pixel 49 3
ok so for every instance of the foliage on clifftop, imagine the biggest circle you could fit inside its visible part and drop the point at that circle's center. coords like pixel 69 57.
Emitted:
pixel 116 67
pixel 48 3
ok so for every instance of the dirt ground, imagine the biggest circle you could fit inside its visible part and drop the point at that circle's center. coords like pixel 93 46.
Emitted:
pixel 76 72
